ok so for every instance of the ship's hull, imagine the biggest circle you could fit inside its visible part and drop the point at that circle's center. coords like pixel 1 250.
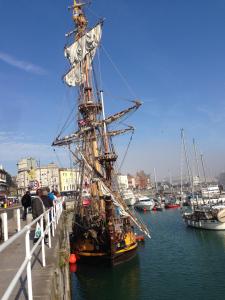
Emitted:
pixel 206 224
pixel 145 205
pixel 120 256
pixel 172 205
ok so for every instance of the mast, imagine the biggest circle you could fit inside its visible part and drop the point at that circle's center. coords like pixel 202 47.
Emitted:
pixel 92 140
pixel 156 186
pixel 171 182
pixel 203 169
pixel 187 160
pixel 196 160
pixel 181 169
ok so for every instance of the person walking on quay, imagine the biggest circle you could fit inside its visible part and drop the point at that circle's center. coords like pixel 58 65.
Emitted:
pixel 26 202
pixel 37 205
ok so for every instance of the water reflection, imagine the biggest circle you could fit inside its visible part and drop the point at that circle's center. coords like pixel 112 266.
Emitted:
pixel 209 238
pixel 104 283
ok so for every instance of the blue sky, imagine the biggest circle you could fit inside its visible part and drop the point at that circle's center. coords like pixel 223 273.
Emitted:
pixel 171 53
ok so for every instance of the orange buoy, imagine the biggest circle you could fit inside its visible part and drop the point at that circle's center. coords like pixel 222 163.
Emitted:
pixel 73 258
pixel 73 268
pixel 144 209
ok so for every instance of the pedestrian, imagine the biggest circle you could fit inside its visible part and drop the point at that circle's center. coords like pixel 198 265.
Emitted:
pixel 37 205
pixel 51 196
pixel 38 209
pixel 26 202
pixel 47 201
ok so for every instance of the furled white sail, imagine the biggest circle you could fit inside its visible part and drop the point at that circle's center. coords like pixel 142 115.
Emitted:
pixel 87 44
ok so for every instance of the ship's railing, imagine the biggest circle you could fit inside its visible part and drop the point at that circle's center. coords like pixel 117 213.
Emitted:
pixel 50 219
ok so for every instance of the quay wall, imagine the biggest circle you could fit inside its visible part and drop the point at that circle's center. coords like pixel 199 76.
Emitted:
pixel 60 282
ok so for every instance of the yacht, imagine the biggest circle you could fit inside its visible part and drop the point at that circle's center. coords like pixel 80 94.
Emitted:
pixel 206 217
pixel 144 203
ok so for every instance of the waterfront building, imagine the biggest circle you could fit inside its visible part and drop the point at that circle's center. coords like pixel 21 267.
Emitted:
pixel 47 176
pixel 131 181
pixel 69 180
pixel 25 174
pixel 3 183
pixel 31 176
pixel 142 180
pixel 122 181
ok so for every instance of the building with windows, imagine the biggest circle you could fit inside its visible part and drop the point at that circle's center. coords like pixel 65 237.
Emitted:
pixel 47 176
pixel 69 180
pixel 31 176
pixel 131 181
pixel 122 181
pixel 25 174
pixel 3 184
pixel 142 181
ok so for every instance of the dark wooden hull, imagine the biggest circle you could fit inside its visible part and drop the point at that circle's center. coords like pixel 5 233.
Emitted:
pixel 116 259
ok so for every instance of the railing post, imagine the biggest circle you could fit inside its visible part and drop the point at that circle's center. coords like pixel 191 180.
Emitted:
pixel 49 231
pixel 43 241
pixel 53 226
pixel 5 226
pixel 55 213
pixel 18 219
pixel 29 278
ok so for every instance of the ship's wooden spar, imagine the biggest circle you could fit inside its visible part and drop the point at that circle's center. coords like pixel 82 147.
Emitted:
pixel 78 135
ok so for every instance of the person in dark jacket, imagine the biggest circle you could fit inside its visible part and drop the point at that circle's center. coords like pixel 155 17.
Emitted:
pixel 26 202
pixel 37 204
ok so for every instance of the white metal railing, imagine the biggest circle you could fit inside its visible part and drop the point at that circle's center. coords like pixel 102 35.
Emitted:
pixel 4 226
pixel 51 217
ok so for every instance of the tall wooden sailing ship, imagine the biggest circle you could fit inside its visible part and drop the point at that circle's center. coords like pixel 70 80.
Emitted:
pixel 103 225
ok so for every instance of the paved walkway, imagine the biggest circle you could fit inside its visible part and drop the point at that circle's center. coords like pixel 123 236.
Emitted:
pixel 13 256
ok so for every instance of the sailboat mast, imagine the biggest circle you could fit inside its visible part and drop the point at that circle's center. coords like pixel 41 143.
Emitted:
pixel 156 186
pixel 203 168
pixel 187 160
pixel 196 161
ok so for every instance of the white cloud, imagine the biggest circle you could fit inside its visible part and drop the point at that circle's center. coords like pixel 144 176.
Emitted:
pixel 23 65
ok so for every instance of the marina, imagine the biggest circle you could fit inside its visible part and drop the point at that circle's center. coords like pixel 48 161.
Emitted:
pixel 177 263
pixel 102 194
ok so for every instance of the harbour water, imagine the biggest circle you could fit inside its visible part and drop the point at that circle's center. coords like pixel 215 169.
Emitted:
pixel 177 263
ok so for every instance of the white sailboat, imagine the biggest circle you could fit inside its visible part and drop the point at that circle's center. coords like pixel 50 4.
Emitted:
pixel 206 217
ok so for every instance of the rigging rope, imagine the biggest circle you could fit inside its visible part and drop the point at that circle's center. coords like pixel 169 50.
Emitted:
pixel 107 92
pixel 125 154
pixel 118 71
pixel 68 121
pixel 93 13
pixel 57 157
